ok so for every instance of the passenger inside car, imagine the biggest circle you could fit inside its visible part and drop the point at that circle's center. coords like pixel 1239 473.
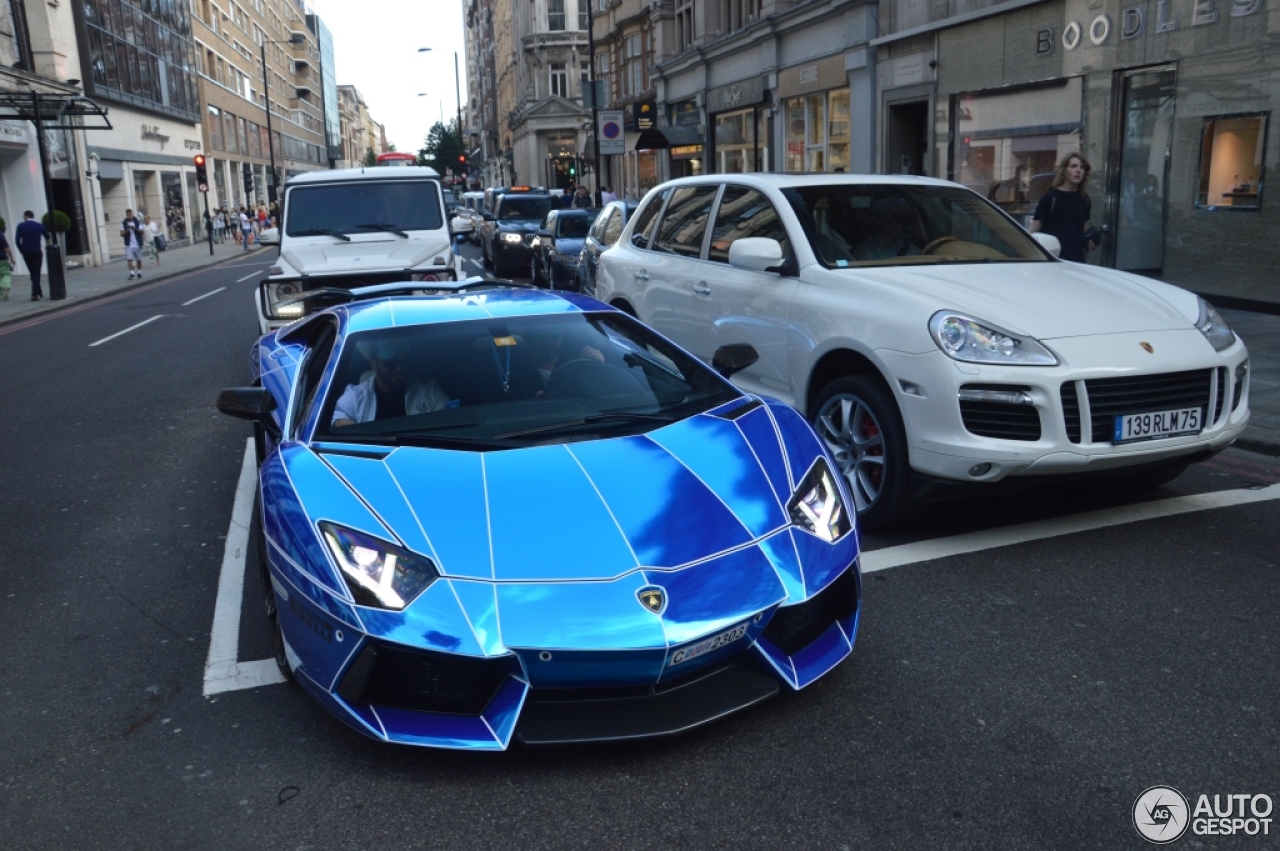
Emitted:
pixel 388 390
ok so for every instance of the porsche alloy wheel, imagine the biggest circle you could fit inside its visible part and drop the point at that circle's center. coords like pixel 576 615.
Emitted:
pixel 859 422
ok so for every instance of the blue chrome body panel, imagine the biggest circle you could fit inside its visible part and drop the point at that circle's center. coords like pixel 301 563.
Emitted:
pixel 543 552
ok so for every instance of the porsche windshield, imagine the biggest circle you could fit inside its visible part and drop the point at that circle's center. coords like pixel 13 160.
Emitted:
pixel 513 382
pixel 364 207
pixel 852 225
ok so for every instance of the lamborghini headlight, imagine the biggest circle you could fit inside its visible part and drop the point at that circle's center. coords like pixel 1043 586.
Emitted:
pixel 378 574
pixel 816 505
pixel 1214 327
pixel 964 338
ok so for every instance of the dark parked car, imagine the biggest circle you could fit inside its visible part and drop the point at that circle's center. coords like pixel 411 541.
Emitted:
pixel 509 229
pixel 557 246
pixel 603 234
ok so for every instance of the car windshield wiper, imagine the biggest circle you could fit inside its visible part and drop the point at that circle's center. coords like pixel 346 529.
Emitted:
pixel 594 418
pixel 385 227
pixel 321 232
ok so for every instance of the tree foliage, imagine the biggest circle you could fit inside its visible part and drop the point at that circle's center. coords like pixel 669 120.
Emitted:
pixel 370 158
pixel 440 149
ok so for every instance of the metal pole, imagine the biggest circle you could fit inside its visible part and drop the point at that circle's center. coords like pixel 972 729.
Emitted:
pixel 53 252
pixel 462 148
pixel 595 104
pixel 271 141
pixel 208 221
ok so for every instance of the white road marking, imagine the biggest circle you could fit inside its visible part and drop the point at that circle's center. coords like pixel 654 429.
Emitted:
pixel 975 541
pixel 206 295
pixel 223 671
pixel 127 330
pixel 247 277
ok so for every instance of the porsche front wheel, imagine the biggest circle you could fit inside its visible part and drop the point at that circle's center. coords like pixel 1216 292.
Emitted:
pixel 858 420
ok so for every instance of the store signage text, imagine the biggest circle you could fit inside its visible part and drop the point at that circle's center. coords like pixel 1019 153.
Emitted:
pixel 152 131
pixel 1133 23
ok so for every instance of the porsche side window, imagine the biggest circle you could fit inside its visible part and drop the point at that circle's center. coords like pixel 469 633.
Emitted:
pixel 613 227
pixel 744 213
pixel 647 219
pixel 597 228
pixel 319 348
pixel 685 222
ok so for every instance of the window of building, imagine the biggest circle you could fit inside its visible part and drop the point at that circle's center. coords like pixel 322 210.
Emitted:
pixel 229 132
pixel 215 128
pixel 735 14
pixel 684 24
pixel 254 138
pixel 583 23
pixel 555 15
pixel 1231 170
pixel 559 79
pixel 141 53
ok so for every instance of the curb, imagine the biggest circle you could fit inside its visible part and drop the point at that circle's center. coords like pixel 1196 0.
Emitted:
pixel 63 304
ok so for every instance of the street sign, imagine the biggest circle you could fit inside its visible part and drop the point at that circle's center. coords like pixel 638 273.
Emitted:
pixel 610 132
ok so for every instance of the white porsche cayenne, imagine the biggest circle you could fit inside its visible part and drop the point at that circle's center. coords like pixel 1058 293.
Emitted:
pixel 932 341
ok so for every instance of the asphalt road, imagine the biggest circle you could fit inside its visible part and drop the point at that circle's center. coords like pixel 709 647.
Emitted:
pixel 1017 696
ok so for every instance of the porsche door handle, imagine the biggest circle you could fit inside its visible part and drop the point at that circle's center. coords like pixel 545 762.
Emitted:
pixel 701 288
pixel 641 276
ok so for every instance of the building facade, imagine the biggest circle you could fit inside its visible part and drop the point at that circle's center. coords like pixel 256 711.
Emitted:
pixel 1172 103
pixel 231 40
pixel 484 155
pixel 361 135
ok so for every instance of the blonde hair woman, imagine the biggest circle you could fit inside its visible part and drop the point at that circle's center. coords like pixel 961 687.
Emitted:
pixel 1064 210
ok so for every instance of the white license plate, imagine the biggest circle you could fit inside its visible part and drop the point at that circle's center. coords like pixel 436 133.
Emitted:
pixel 706 645
pixel 1158 424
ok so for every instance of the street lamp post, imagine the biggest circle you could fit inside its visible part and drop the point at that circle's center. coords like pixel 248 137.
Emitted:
pixel 295 38
pixel 457 91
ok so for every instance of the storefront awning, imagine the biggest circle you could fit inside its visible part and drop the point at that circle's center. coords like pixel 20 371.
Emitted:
pixel 52 110
pixel 661 138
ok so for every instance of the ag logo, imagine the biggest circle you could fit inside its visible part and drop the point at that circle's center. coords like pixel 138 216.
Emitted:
pixel 652 598
pixel 1160 814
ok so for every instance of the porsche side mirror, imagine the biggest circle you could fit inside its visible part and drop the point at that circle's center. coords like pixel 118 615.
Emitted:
pixel 734 357
pixel 1049 243
pixel 254 404
pixel 757 253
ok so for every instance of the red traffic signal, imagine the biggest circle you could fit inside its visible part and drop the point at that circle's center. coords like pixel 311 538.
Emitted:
pixel 202 176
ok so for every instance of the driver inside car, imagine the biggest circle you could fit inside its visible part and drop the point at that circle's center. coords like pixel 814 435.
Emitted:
pixel 387 390
pixel 549 354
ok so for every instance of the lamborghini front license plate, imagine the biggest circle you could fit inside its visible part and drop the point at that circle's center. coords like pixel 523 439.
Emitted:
pixel 706 645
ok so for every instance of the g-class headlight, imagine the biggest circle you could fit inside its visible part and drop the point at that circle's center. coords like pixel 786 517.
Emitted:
pixel 964 338
pixel 283 291
pixel 378 574
pixel 1214 327
pixel 817 507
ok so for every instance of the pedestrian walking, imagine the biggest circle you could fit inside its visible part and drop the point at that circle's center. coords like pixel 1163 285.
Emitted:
pixel 606 195
pixel 29 235
pixel 220 226
pixel 155 240
pixel 246 228
pixel 132 231
pixel 1064 210
pixel 581 198
pixel 6 267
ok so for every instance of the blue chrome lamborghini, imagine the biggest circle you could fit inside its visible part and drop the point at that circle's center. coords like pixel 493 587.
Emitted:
pixel 497 513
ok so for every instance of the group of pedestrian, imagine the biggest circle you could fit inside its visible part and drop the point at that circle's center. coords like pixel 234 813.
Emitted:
pixel 579 197
pixel 243 224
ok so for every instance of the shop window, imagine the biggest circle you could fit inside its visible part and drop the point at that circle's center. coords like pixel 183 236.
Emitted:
pixel 817 132
pixel 1231 162
pixel 735 142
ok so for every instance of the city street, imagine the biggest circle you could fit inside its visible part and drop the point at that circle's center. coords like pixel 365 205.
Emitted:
pixel 1026 666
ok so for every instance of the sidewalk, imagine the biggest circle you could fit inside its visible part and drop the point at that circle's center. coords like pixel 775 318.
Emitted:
pixel 91 282
pixel 1260 331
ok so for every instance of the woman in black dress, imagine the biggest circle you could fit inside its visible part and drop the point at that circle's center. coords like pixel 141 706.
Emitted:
pixel 1064 210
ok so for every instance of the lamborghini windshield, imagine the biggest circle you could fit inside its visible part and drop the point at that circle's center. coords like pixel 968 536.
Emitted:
pixel 500 383
pixel 855 225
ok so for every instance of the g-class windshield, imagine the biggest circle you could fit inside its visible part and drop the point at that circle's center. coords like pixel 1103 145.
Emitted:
pixel 364 207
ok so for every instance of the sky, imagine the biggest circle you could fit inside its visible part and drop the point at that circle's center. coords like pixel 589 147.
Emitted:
pixel 375 44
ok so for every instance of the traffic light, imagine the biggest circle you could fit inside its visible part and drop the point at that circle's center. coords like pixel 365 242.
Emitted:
pixel 248 178
pixel 202 175
pixel 573 169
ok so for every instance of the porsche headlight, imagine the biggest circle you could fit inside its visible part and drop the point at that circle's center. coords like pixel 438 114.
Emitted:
pixel 964 338
pixel 512 238
pixel 378 574
pixel 817 507
pixel 1214 327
